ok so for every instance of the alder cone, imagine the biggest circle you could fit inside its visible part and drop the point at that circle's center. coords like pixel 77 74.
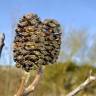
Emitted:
pixel 36 43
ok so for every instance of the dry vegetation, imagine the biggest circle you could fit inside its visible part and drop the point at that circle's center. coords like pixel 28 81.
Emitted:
pixel 57 80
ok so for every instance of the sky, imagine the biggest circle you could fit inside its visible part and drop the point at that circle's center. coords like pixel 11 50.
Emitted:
pixel 70 13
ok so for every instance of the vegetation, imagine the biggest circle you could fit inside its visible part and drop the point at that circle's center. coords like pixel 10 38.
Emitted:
pixel 57 80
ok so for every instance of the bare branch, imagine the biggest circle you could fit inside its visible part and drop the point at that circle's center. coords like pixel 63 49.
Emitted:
pixel 23 91
pixel 34 84
pixel 89 80
pixel 2 38
pixel 23 84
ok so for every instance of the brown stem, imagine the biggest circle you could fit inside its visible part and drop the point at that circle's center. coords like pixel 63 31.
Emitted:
pixel 22 91
pixel 34 84
pixel 23 84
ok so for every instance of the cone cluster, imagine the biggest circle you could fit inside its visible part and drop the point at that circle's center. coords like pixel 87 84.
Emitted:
pixel 36 43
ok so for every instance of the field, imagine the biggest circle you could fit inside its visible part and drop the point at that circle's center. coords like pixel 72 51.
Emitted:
pixel 57 80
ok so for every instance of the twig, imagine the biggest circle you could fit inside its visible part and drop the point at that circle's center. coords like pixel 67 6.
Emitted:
pixel 2 38
pixel 23 91
pixel 89 80
pixel 34 84
pixel 23 84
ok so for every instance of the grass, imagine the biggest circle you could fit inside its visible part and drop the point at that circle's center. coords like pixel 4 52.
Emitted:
pixel 57 80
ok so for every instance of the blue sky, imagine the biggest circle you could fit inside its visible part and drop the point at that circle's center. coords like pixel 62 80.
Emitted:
pixel 70 13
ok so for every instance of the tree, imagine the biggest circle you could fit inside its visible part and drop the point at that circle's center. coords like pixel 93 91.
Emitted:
pixel 73 43
pixel 91 55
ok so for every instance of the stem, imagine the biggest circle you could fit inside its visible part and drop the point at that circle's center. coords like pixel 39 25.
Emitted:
pixel 23 84
pixel 34 84
pixel 89 80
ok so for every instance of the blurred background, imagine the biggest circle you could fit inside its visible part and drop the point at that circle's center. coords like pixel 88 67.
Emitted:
pixel 77 56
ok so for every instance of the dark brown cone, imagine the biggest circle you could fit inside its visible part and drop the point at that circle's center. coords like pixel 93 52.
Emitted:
pixel 36 43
